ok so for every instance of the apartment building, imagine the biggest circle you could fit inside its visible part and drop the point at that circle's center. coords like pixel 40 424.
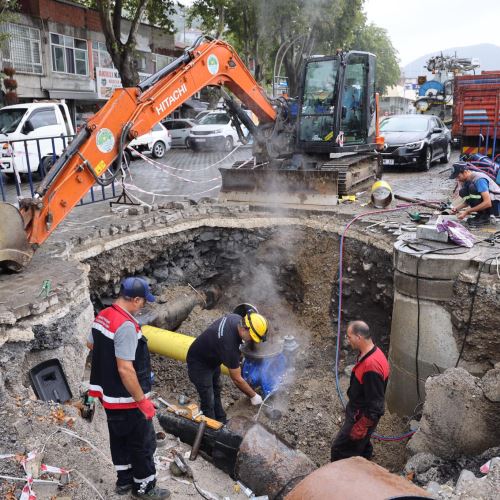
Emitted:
pixel 59 52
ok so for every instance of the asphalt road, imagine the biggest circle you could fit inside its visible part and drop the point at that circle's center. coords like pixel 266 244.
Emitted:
pixel 183 172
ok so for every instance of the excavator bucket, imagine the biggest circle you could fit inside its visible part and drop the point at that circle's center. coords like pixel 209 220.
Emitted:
pixel 15 251
pixel 279 187
pixel 303 188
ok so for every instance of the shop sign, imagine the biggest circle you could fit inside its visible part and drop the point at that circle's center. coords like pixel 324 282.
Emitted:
pixel 108 79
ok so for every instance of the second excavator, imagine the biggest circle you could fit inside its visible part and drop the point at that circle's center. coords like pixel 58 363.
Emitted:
pixel 307 151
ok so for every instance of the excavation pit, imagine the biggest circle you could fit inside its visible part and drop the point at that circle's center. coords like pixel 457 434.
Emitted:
pixel 290 273
pixel 286 265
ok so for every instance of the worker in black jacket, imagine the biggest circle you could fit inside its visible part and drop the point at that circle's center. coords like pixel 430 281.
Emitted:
pixel 220 344
pixel 366 395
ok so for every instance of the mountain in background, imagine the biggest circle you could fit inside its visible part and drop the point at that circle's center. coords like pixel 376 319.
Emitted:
pixel 487 53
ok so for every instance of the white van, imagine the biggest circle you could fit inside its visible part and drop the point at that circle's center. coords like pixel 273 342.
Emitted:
pixel 33 132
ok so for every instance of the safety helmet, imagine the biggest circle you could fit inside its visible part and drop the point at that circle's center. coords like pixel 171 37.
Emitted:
pixel 257 325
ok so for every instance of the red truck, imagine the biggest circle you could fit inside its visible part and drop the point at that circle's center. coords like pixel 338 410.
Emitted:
pixel 476 113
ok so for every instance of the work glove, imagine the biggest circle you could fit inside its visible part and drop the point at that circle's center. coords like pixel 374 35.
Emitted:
pixel 256 400
pixel 147 408
pixel 360 429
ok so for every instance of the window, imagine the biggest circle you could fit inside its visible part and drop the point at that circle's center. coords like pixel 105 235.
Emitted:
pixel 69 55
pixel 43 118
pixel 140 62
pixel 215 119
pixel 157 128
pixel 10 119
pixel 22 49
pixel 318 106
pixel 161 61
pixel 101 56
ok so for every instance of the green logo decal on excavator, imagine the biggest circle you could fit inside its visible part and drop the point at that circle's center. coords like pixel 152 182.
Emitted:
pixel 213 64
pixel 104 140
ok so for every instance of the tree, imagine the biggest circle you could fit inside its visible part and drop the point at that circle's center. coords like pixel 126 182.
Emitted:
pixel 8 13
pixel 258 28
pixel 374 39
pixel 112 12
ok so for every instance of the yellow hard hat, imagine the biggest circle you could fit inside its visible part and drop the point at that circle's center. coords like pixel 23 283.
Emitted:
pixel 257 325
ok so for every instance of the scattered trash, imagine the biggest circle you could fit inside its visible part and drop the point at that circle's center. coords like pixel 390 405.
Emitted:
pixel 46 289
pixel 347 198
pixel 485 468
pixel 161 439
pixel 245 489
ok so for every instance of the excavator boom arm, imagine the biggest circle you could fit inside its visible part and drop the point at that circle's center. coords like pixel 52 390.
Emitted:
pixel 129 113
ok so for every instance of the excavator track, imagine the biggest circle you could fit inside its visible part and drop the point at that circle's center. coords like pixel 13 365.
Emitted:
pixel 354 172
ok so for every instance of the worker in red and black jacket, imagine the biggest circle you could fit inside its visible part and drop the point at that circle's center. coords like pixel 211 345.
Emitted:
pixel 366 395
pixel 120 377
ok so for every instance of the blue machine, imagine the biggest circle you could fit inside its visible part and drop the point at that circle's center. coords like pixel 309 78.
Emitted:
pixel 265 373
pixel 432 87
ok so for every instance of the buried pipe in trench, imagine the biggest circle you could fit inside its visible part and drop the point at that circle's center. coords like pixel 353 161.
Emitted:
pixel 254 455
pixel 247 451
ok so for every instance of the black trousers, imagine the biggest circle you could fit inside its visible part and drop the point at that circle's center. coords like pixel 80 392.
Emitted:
pixel 473 198
pixel 208 384
pixel 132 440
pixel 344 447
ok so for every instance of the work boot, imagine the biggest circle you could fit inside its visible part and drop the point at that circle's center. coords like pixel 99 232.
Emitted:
pixel 155 493
pixel 478 220
pixel 123 489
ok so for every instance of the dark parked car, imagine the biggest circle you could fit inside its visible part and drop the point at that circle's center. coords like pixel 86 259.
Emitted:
pixel 415 140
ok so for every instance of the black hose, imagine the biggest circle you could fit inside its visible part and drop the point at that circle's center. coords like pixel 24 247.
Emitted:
pixel 435 250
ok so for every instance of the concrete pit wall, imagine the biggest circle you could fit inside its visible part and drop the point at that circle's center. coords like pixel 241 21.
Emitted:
pixel 36 327
pixel 430 320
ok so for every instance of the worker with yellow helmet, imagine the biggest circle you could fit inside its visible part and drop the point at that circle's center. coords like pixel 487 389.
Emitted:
pixel 220 344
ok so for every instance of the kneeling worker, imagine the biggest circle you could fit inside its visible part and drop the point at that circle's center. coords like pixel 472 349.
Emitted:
pixel 220 344
pixel 480 193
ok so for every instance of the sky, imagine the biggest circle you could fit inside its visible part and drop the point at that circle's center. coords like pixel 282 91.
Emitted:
pixel 417 27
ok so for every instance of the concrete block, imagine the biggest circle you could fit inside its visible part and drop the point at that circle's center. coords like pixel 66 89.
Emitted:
pixel 430 232
pixel 435 266
pixel 440 290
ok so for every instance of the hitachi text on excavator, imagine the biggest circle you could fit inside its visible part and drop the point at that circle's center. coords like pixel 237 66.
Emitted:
pixel 307 151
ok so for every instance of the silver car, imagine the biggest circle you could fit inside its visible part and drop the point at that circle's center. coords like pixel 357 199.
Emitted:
pixel 179 130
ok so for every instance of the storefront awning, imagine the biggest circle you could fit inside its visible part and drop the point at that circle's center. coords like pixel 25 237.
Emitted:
pixel 77 95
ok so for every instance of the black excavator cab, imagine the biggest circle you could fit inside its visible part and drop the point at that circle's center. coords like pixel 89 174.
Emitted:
pixel 337 104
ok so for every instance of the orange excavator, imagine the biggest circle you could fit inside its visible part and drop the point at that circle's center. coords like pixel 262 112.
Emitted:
pixel 309 150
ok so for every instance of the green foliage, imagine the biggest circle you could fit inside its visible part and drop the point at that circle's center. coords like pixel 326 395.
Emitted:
pixel 158 12
pixel 257 28
pixel 8 13
pixel 373 39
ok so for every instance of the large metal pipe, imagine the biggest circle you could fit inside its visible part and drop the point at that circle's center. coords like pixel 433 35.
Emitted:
pixel 247 451
pixel 172 314
pixel 173 345
pixel 355 478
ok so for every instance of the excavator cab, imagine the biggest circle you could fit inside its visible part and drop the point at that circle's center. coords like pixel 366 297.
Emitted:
pixel 337 104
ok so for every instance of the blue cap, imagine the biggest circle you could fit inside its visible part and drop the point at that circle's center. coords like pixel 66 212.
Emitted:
pixel 458 168
pixel 136 287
